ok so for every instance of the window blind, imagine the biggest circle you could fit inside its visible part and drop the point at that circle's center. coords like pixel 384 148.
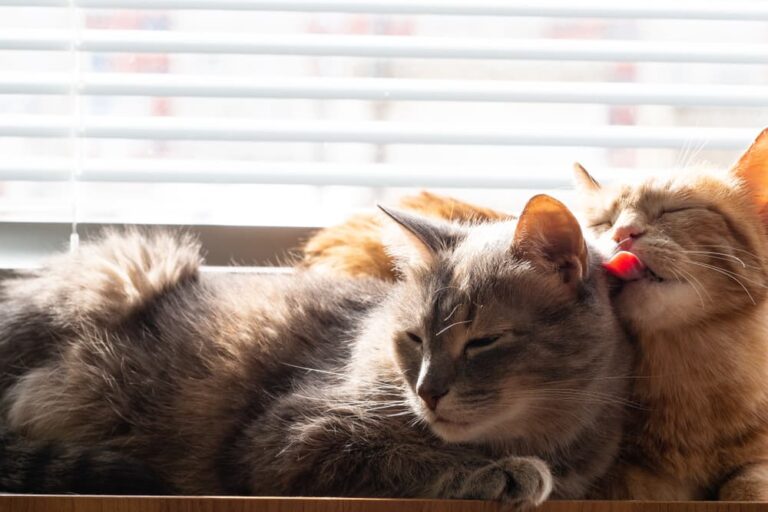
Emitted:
pixel 137 110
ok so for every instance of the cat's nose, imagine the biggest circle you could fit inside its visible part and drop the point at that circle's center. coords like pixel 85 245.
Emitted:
pixel 625 235
pixel 431 396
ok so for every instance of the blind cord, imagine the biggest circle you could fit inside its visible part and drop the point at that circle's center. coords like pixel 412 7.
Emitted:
pixel 76 124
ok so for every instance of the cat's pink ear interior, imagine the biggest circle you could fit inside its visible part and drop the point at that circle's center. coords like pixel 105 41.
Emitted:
pixel 752 168
pixel 583 180
pixel 549 235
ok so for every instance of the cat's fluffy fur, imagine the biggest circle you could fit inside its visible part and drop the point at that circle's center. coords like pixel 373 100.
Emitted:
pixel 702 378
pixel 355 248
pixel 54 467
pixel 494 369
pixel 700 316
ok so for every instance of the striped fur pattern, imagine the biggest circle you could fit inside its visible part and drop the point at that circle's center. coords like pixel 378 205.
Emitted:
pixel 494 369
pixel 52 467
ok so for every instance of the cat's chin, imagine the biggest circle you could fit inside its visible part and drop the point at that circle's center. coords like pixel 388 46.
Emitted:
pixel 652 305
pixel 497 427
pixel 453 431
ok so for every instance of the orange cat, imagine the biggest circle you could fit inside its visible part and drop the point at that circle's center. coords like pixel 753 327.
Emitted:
pixel 355 247
pixel 694 254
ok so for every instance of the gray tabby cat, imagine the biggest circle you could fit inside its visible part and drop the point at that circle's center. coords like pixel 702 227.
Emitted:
pixel 493 371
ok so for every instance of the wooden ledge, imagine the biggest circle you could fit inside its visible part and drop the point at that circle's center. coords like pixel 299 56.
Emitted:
pixel 29 503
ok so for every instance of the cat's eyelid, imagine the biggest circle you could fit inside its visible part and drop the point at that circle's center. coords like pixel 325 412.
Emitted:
pixel 415 338
pixel 481 342
pixel 676 209
pixel 487 341
pixel 606 219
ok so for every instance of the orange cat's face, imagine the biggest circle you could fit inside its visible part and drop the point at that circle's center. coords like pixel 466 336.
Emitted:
pixel 699 242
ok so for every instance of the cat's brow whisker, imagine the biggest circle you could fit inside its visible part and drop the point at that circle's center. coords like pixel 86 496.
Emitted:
pixel 449 287
pixel 692 152
pixel 454 324
pixel 451 313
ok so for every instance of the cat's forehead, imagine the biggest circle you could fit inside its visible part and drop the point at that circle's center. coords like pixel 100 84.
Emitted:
pixel 481 252
pixel 471 282
pixel 663 189
pixel 455 306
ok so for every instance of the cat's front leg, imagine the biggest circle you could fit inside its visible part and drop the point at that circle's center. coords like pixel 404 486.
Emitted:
pixel 338 451
pixel 631 482
pixel 750 483
pixel 518 482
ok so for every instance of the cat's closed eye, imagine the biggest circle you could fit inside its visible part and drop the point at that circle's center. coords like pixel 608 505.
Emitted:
pixel 665 211
pixel 413 337
pixel 601 225
pixel 483 342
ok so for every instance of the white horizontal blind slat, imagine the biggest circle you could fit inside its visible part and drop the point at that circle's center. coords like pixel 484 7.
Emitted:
pixel 178 34
pixel 293 173
pixel 684 10
pixel 390 89
pixel 137 41
pixel 215 129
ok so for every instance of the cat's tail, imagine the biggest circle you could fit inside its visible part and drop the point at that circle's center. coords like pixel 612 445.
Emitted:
pixel 37 467
pixel 105 281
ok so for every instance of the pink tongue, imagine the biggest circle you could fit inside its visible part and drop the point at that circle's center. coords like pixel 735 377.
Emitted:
pixel 625 265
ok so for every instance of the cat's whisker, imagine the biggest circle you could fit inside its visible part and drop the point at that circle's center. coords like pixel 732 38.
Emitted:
pixel 689 278
pixel 306 368
pixel 731 248
pixel 734 274
pixel 620 243
pixel 398 414
pixel 719 255
pixel 727 274
pixel 588 401
pixel 592 398
pixel 597 379
pixel 574 395
pixel 579 392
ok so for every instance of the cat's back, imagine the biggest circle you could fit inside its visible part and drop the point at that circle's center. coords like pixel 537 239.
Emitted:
pixel 177 372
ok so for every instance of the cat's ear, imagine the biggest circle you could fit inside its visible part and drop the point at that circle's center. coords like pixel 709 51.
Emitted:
pixel 413 240
pixel 583 180
pixel 752 169
pixel 548 235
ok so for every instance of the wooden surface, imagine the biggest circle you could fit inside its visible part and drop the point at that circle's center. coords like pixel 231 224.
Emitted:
pixel 16 503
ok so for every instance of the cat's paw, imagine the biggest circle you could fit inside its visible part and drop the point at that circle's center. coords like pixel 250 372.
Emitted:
pixel 518 482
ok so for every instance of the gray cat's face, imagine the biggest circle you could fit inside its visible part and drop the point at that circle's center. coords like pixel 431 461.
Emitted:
pixel 498 338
